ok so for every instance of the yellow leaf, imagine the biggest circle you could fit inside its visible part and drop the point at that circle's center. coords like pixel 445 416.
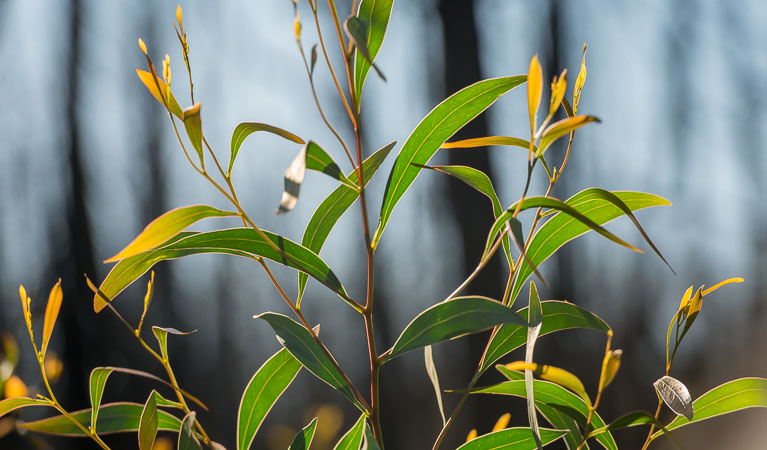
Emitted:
pixel 558 88
pixel 534 85
pixel 142 46
pixel 685 298
pixel 610 366
pixel 553 374
pixel 179 14
pixel 696 303
pixel 579 82
pixel 163 443
pixel 722 283
pixel 472 435
pixel 14 387
pixel 151 83
pixel 51 313
pixel 53 366
pixel 502 422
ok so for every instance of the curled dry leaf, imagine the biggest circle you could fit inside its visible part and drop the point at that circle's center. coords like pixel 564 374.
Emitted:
pixel 676 396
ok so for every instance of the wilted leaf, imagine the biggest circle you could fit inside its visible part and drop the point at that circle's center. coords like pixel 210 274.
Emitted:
pixel 98 380
pixel 303 438
pixel 245 129
pixel 375 13
pixel 193 126
pixel 357 30
pixel 675 395
pixel 512 439
pixel 186 438
pixel 431 370
pixel 51 313
pixel 353 438
pixel 148 424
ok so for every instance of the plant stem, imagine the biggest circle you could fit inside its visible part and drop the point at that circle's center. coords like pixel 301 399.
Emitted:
pixel 330 66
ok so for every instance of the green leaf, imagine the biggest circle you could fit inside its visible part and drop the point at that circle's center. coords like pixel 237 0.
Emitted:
pixel 186 438
pixel 431 371
pixel 333 207
pixel 113 418
pixel 534 319
pixel 357 30
pixel 557 315
pixel 263 390
pixel 563 228
pixel 166 226
pixel 370 439
pixel 632 419
pixel 437 127
pixel 375 13
pixel 553 395
pixel 193 126
pixel 149 376
pixel 162 337
pixel 729 397
pixel 313 157
pixel 98 380
pixel 560 128
pixel 308 352
pixel 512 439
pixel 243 242
pixel 353 438
pixel 151 83
pixel 148 423
pixel 675 395
pixel 245 129
pixel 448 320
pixel 14 403
pixel 303 438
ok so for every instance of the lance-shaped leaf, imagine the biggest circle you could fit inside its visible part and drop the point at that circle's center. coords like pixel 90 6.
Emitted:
pixel 51 313
pixel 512 439
pixel 353 438
pixel 358 33
pixel 557 315
pixel 243 242
pixel 370 439
pixel 193 125
pixel 113 418
pixel 186 438
pixel 161 334
pixel 452 319
pixel 632 419
pixel 675 395
pixel 729 397
pixel 151 83
pixel 98 380
pixel 554 374
pixel 534 319
pixel 14 403
pixel 148 424
pixel 563 228
pixel 556 396
pixel 149 376
pixel 166 226
pixel 304 437
pixel 245 129
pixel 497 140
pixel 263 390
pixel 375 13
pixel 333 207
pixel 559 129
pixel 431 371
pixel 579 82
pixel 437 127
pixel 534 91
pixel 308 352
pixel 313 157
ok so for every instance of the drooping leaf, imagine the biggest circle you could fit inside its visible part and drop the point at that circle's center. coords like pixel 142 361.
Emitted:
pixel 675 395
pixel 263 390
pixel 332 208
pixel 51 313
pixel 193 125
pixel 534 319
pixel 149 376
pixel 148 423
pixel 375 13
pixel 11 404
pixel 554 374
pixel 729 397
pixel 437 127
pixel 113 418
pixel 312 157
pixel 186 438
pixel 308 352
pixel 358 33
pixel 562 228
pixel 304 437
pixel 151 83
pixel 431 371
pixel 557 315
pixel 166 226
pixel 353 438
pixel 559 129
pixel 245 129
pixel 512 439
pixel 236 241
pixel 534 90
pixel 448 320
pixel 161 334
pixel 98 380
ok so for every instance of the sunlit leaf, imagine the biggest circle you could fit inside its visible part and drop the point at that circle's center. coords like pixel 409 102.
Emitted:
pixel 610 366
pixel 12 404
pixel 632 419
pixel 186 438
pixel 304 437
pixel 358 32
pixel 675 395
pixel 562 228
pixel 472 435
pixel 245 129
pixel 729 397
pixel 148 424
pixel 149 376
pixel 263 390
pixel 51 313
pixel 558 87
pixel 579 82
pixel 353 438
pixel 370 440
pixel 151 83
pixel 193 126
pixel 243 242
pixel 98 380
pixel 308 352
pixel 722 283
pixel 512 439
pixel 534 90
pixel 332 208
pixel 437 127
pixel 113 418
pixel 375 13
pixel 502 422
pixel 166 226
pixel 162 337
pixel 561 128
pixel 554 374
pixel 534 319
pixel 431 371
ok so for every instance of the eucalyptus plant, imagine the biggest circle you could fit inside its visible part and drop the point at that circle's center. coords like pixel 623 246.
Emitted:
pixel 554 395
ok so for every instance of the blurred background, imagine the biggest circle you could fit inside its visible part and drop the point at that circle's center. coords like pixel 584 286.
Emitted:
pixel 89 159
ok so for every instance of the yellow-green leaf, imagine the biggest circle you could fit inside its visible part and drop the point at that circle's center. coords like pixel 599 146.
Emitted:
pixel 579 82
pixel 553 374
pixel 245 129
pixel 98 380
pixel 558 129
pixel 193 125
pixel 51 313
pixel 152 83
pixel 148 424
